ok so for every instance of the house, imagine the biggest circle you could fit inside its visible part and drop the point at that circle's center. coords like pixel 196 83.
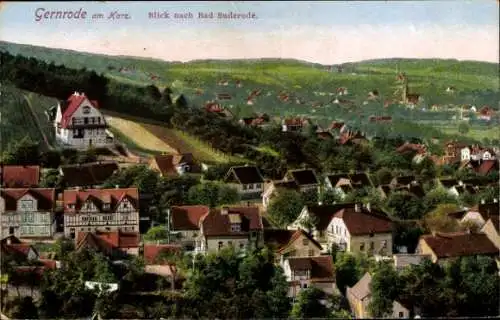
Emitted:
pixel 337 126
pixel 304 272
pixel 19 176
pixel 185 224
pixel 486 113
pixel 478 215
pixel 272 187
pixel 350 227
pixel 174 164
pixel 28 212
pixel 339 183
pixel 214 107
pixel 491 230
pixel 305 179
pixel 258 121
pixel 291 243
pixel 402 181
pixel 402 260
pixel 450 185
pixel 80 124
pixel 102 210
pixel 293 124
pixel 18 250
pixel 247 180
pixel 359 297
pixel 324 134
pixel 88 175
pixel 153 253
pixel 486 167
pixel 411 148
pixel 238 227
pixel 352 137
pixel 116 244
pixel 444 246
pixel 360 180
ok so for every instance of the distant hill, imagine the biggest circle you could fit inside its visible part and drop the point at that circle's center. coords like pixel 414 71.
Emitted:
pixel 292 87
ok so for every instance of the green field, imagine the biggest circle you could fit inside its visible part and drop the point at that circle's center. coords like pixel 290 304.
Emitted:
pixel 306 84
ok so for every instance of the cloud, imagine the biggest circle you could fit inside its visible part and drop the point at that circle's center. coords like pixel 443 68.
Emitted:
pixel 326 45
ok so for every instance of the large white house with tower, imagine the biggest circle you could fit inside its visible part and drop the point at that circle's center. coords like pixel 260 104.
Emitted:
pixel 79 123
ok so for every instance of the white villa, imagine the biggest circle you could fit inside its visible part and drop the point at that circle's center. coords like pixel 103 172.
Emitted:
pixel 79 123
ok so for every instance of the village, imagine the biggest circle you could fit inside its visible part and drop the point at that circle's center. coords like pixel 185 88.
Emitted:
pixel 251 213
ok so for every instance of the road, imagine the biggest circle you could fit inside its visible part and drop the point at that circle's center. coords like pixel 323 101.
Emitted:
pixel 33 114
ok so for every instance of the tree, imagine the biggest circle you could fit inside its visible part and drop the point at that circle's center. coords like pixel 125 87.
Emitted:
pixel 285 207
pixel 405 205
pixel 439 220
pixel 212 194
pixel 51 179
pixel 310 197
pixel 383 176
pixel 329 196
pixel 173 259
pixel 384 289
pixel 156 233
pixel 438 196
pixel 23 152
pixel 463 128
pixel 308 304
pixel 349 269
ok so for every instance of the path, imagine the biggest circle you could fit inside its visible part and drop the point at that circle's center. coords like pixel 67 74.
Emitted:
pixel 33 114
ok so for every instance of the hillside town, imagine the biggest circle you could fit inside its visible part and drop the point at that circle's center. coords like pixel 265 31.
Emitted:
pixel 174 224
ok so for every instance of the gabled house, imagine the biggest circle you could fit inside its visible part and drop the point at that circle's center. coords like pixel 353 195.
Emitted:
pixel 304 272
pixel 451 186
pixel 349 227
pixel 306 179
pixel 238 227
pixel 360 179
pixel 115 244
pixel 28 212
pixel 271 188
pixel 339 183
pixel 247 180
pixel 491 230
pixel 174 164
pixel 19 176
pixel 359 297
pixel 478 215
pixel 155 264
pixel 103 210
pixel 20 251
pixel 185 224
pixel 293 124
pixel 403 260
pixel 402 181
pixel 87 175
pixel 291 243
pixel 80 124
pixel 444 246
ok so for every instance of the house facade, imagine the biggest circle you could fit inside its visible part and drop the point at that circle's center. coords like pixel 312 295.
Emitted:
pixel 103 210
pixel 28 213
pixel 79 123
pixel 290 243
pixel 349 227
pixel 272 188
pixel 491 230
pixel 247 180
pixel 305 179
pixel 304 272
pixel 237 227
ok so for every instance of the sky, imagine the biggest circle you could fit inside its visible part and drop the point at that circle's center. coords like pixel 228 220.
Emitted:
pixel 317 31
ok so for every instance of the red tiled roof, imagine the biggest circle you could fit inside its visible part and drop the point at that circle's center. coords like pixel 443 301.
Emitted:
pixel 167 163
pixel 215 223
pixel 48 263
pixel 45 197
pixel 487 166
pixel 187 217
pixel 447 245
pixel 19 176
pixel 108 240
pixel 73 103
pixel 152 251
pixel 100 196
pixel 321 267
pixel 406 147
pixel 364 222
pixel 88 174
pixel 296 235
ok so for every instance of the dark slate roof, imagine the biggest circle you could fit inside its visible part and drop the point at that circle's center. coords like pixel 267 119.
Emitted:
pixel 244 175
pixel 303 176
pixel 88 174
pixel 334 178
pixel 361 178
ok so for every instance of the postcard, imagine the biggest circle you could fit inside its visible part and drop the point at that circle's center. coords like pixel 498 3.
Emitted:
pixel 249 159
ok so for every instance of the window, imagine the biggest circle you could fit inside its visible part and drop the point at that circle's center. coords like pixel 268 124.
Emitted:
pixel 86 120
pixel 305 241
pixel 258 186
pixel 235 227
pixel 230 243
pixel 304 286
pixel 362 246
pixel 242 245
pixel 244 187
pixel 384 244
pixel 221 244
pixel 250 186
pixel 107 218
pixel 401 314
pixel 98 121
pixel 336 229
pixel 86 110
pixel 26 205
pixel 372 245
pixel 311 252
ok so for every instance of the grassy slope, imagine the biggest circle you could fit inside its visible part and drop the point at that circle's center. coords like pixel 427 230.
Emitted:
pixel 429 77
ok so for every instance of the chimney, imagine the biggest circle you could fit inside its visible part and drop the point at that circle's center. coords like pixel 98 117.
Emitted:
pixel 9 241
pixel 356 207
pixel 224 210
pixel 76 94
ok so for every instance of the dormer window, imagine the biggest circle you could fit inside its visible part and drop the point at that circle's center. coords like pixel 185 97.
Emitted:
pixel 106 206
pixel 235 227
pixel 86 110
